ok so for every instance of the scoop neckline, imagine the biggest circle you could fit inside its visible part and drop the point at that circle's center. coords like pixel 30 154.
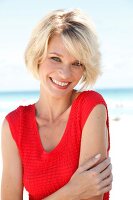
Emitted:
pixel 61 142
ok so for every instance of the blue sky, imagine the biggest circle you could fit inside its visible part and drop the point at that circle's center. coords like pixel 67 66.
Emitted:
pixel 114 23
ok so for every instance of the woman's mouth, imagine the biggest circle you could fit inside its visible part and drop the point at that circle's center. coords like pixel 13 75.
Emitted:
pixel 60 84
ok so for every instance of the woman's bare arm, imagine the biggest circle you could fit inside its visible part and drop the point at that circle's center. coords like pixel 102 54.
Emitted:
pixel 11 186
pixel 94 138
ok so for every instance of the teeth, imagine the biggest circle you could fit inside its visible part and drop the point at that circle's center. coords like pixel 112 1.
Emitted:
pixel 59 83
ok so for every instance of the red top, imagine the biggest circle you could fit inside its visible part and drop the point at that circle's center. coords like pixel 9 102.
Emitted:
pixel 46 172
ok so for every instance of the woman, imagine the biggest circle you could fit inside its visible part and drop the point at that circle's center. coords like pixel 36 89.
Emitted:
pixel 57 147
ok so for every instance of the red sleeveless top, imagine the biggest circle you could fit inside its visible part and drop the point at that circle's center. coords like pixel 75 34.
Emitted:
pixel 46 172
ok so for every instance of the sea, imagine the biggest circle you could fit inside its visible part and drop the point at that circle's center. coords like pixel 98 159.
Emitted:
pixel 119 101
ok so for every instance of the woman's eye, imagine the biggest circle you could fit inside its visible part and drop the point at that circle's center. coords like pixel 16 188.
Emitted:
pixel 77 64
pixel 56 59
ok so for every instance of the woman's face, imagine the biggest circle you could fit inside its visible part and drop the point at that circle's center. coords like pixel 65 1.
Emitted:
pixel 60 72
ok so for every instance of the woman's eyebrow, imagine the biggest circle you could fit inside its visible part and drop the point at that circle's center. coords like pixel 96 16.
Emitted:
pixel 55 53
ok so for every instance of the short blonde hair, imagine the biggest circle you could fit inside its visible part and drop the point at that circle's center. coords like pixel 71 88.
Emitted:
pixel 79 37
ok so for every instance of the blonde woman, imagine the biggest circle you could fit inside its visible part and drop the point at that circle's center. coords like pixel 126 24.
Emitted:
pixel 57 148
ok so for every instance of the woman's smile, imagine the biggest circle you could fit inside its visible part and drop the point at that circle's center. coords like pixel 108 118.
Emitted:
pixel 59 84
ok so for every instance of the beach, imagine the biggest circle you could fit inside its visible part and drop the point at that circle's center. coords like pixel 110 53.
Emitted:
pixel 121 138
pixel 121 147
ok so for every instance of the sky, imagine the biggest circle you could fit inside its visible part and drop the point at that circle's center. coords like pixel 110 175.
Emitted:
pixel 114 24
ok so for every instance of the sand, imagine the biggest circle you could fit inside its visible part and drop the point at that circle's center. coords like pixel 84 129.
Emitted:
pixel 121 136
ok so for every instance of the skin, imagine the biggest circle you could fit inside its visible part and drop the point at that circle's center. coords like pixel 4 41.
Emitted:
pixel 92 178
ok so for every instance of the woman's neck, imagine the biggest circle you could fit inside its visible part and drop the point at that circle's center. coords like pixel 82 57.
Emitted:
pixel 52 108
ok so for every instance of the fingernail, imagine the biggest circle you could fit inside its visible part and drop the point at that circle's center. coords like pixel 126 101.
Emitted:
pixel 98 156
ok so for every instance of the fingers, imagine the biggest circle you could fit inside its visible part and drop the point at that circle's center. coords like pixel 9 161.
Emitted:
pixel 106 172
pixel 102 166
pixel 90 163
pixel 106 182
pixel 106 189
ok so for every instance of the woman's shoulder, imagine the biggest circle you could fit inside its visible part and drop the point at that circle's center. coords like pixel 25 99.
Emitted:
pixel 18 110
pixel 88 100
pixel 92 93
pixel 90 96
pixel 14 120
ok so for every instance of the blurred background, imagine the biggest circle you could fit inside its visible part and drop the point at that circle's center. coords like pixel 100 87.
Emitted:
pixel 114 25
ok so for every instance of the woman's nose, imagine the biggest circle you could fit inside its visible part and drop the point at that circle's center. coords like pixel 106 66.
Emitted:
pixel 65 72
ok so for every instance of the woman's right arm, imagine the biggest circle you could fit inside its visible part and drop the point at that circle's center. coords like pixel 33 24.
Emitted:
pixel 11 186
pixel 89 178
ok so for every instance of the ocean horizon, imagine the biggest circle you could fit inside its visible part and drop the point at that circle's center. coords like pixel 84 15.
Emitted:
pixel 119 100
